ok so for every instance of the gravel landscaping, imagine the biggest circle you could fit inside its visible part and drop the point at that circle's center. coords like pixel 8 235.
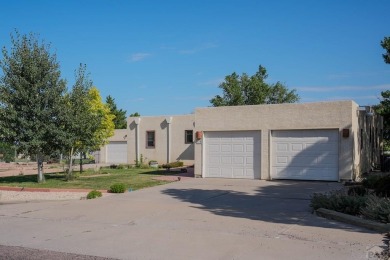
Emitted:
pixel 24 196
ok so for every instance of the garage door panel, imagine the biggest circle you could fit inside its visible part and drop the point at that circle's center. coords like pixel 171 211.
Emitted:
pixel 214 172
pixel 327 159
pixel 238 172
pixel 214 148
pixel 117 152
pixel 249 160
pixel 227 148
pixel 226 172
pixel 249 148
pixel 305 154
pixel 238 153
pixel 226 160
pixel 215 160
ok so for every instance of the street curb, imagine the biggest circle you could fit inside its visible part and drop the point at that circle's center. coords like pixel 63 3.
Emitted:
pixel 6 188
pixel 345 218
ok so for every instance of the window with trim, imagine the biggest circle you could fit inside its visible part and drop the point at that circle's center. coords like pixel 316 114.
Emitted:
pixel 150 139
pixel 189 136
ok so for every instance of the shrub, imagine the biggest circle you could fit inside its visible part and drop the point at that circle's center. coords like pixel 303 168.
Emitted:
pixel 173 165
pixel 120 166
pixel 357 191
pixel 118 188
pixel 371 181
pixel 377 209
pixel 338 201
pixel 382 188
pixel 113 166
pixel 94 194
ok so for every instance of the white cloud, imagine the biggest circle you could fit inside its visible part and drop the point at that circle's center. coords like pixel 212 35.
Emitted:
pixel 368 98
pixel 139 56
pixel 185 98
pixel 199 48
pixel 342 88
pixel 357 74
pixel 212 82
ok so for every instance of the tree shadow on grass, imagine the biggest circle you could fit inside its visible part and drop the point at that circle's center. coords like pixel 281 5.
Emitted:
pixel 286 202
pixel 28 178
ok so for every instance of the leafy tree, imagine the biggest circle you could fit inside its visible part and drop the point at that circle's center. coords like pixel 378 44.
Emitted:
pixel 81 122
pixel 252 90
pixel 136 114
pixel 384 106
pixel 31 99
pixel 120 115
pixel 384 110
pixel 7 152
pixel 105 127
pixel 385 43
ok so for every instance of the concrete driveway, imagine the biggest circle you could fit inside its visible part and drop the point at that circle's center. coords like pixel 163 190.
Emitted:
pixel 192 219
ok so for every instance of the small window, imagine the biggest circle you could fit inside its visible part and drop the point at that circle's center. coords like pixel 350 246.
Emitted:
pixel 189 136
pixel 150 139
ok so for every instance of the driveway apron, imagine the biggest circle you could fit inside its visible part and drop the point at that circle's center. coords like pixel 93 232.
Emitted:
pixel 191 219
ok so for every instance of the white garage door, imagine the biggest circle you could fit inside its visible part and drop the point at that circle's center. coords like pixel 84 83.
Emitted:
pixel 305 155
pixel 232 154
pixel 117 152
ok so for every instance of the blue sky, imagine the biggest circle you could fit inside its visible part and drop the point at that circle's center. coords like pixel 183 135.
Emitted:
pixel 168 57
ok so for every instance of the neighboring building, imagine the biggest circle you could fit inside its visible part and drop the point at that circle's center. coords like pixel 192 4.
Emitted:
pixel 313 141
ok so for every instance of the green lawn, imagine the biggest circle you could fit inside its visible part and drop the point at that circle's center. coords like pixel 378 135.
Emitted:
pixel 102 180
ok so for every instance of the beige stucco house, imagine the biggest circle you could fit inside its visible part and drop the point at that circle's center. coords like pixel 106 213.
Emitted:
pixel 329 141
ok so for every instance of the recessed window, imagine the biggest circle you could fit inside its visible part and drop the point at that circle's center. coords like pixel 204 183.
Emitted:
pixel 189 136
pixel 150 139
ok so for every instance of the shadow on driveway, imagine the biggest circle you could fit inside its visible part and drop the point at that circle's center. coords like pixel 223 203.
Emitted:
pixel 286 202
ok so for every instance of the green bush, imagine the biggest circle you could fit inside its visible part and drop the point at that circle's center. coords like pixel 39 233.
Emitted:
pixel 94 194
pixel 382 188
pixel 120 166
pixel 357 191
pixel 338 201
pixel 371 181
pixel 118 188
pixel 377 209
pixel 173 165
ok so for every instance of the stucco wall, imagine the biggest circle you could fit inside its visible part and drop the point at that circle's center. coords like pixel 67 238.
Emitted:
pixel 179 150
pixel 321 115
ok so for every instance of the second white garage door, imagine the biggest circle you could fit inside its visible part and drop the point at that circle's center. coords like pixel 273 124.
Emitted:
pixel 305 155
pixel 117 152
pixel 232 154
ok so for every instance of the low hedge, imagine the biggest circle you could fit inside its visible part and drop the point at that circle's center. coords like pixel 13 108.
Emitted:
pixel 94 194
pixel 338 201
pixel 173 165
pixel 118 188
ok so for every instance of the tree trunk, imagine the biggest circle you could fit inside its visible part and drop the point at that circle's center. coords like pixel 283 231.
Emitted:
pixel 81 161
pixel 41 177
pixel 70 167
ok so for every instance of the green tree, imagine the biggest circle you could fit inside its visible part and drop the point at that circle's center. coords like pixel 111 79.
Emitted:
pixel 383 108
pixel 7 152
pixel 120 115
pixel 105 127
pixel 252 90
pixel 31 99
pixel 385 43
pixel 81 122
pixel 136 114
